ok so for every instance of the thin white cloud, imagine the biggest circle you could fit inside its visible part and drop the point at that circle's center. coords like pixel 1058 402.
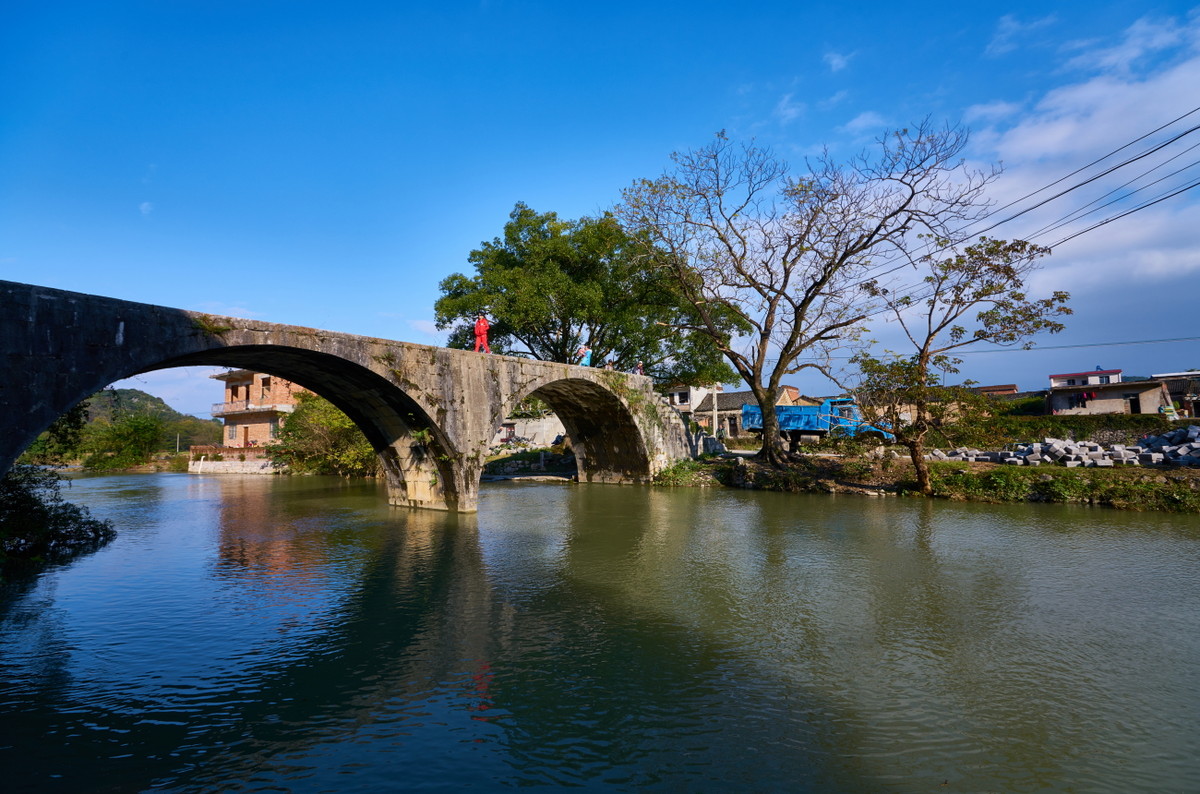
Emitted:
pixel 1009 30
pixel 1120 269
pixel 787 109
pixel 837 61
pixel 836 99
pixel 189 390
pixel 1144 38
pixel 991 111
pixel 428 327
pixel 146 208
pixel 868 121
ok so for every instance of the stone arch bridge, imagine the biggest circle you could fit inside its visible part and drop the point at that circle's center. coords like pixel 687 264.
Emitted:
pixel 429 412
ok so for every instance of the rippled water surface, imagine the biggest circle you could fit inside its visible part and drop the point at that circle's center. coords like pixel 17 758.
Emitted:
pixel 268 634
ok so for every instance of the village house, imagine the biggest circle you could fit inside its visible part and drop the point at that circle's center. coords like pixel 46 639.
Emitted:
pixel 254 407
pixel 684 398
pixel 1184 388
pixel 1105 391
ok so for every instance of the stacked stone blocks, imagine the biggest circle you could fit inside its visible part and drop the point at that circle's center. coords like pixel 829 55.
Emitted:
pixel 1179 447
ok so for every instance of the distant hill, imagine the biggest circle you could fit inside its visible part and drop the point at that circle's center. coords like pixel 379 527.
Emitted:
pixel 106 404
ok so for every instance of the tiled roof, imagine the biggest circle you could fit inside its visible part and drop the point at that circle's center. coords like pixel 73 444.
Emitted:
pixel 734 400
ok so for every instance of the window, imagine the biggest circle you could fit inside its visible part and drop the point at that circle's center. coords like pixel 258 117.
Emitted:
pixel 266 387
pixel 231 433
pixel 275 428
pixel 1070 381
pixel 1105 379
pixel 683 398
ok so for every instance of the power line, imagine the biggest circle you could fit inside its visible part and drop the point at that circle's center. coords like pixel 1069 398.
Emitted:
pixel 1063 219
pixel 1085 167
pixel 1091 179
pixel 1139 208
pixel 1079 213
pixel 1037 349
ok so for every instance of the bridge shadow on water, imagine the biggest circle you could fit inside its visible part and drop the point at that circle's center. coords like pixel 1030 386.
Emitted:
pixel 420 649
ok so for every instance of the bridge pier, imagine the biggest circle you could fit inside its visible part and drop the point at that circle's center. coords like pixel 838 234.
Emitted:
pixel 415 478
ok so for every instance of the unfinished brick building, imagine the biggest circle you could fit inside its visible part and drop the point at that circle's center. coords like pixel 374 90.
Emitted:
pixel 254 407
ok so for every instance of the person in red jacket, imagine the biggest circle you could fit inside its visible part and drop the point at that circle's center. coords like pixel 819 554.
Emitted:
pixel 481 332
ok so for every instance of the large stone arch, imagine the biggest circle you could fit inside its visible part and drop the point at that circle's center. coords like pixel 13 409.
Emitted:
pixel 419 473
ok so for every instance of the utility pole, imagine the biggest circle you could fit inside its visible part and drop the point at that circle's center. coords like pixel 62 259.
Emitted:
pixel 716 386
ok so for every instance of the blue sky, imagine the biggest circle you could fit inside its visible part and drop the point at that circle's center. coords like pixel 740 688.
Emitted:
pixel 327 164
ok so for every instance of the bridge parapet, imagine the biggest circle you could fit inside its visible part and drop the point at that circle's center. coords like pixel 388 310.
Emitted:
pixel 429 412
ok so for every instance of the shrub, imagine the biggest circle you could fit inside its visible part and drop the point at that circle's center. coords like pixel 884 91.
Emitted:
pixel 683 472
pixel 37 525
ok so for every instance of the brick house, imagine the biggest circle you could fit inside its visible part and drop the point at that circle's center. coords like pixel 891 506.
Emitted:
pixel 1105 391
pixel 254 407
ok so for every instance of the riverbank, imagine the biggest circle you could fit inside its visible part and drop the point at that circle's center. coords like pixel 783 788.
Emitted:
pixel 1172 490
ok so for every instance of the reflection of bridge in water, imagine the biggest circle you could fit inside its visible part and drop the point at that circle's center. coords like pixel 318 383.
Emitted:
pixel 429 412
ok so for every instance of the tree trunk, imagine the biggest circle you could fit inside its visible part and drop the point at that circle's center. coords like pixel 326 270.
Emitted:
pixel 916 451
pixel 772 449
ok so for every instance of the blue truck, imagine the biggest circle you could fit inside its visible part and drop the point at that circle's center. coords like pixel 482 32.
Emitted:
pixel 836 414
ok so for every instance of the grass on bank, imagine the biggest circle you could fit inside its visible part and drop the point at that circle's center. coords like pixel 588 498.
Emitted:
pixel 1169 490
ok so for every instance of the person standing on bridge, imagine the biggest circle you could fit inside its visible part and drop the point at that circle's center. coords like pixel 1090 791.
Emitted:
pixel 481 333
pixel 585 356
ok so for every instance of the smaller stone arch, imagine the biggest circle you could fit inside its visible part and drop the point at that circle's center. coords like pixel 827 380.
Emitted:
pixel 608 442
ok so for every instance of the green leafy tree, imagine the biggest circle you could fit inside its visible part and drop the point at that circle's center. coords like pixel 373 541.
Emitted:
pixel 61 442
pixel 974 297
pixel 551 285
pixel 317 438
pixel 786 255
pixel 129 440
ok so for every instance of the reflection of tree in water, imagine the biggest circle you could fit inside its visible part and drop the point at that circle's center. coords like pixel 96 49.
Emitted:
pixel 648 680
pixel 944 611
pixel 566 683
pixel 429 667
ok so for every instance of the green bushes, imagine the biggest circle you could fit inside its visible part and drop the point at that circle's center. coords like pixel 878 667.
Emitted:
pixel 37 525
pixel 686 472
pixel 319 439
pixel 1128 489
pixel 996 431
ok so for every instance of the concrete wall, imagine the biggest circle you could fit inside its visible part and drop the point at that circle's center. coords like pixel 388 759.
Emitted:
pixel 1110 400
pixel 540 432
pixel 231 467
pixel 429 412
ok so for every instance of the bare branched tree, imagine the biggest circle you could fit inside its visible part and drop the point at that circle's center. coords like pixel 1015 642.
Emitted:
pixel 786 256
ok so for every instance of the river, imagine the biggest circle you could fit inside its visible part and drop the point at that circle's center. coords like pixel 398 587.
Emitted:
pixel 297 634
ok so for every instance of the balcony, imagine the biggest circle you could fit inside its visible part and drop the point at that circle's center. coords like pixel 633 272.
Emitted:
pixel 250 407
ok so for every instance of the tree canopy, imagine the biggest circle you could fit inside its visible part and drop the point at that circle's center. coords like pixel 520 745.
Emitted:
pixel 970 297
pixel 318 438
pixel 787 255
pixel 551 285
